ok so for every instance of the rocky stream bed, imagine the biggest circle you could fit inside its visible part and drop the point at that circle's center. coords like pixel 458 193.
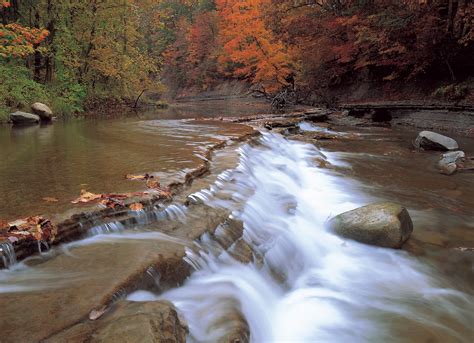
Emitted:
pixel 243 236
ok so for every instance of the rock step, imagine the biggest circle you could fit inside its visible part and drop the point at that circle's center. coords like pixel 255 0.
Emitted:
pixel 94 275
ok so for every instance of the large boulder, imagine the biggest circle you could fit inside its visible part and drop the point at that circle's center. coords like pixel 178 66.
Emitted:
pixel 23 118
pixel 383 224
pixel 43 111
pixel 429 140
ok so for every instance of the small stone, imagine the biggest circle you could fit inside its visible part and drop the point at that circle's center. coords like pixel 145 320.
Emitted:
pixel 448 169
pixel 382 224
pixel 451 161
pixel 429 140
pixel 453 157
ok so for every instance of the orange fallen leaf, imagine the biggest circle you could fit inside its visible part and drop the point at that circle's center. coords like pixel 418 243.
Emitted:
pixel 165 193
pixel 50 199
pixel 153 184
pixel 111 202
pixel 86 197
pixel 136 206
pixel 138 177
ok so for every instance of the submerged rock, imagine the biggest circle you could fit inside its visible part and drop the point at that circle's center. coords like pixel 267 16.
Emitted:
pixel 43 111
pixel 154 321
pixel 382 224
pixel 24 118
pixel 429 140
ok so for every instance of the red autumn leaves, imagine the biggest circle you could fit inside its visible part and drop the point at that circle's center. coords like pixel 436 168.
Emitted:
pixel 35 228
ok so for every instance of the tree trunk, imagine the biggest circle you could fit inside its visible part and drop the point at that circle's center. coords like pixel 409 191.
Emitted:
pixel 37 55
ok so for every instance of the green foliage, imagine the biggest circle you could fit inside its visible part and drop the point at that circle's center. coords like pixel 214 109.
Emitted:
pixel 18 90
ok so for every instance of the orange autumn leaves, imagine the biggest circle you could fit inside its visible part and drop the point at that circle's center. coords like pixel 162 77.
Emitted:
pixel 231 41
pixel 17 40
pixel 250 45
pixel 116 200
pixel 20 41
pixel 36 227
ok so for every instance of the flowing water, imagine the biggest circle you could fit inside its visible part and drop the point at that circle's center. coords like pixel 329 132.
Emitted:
pixel 303 284
pixel 306 284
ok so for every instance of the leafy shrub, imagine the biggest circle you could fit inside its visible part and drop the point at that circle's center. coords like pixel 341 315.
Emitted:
pixel 18 90
pixel 452 92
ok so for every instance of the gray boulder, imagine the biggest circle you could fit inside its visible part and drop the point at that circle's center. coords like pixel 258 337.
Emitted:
pixel 43 111
pixel 383 224
pixel 23 118
pixel 428 140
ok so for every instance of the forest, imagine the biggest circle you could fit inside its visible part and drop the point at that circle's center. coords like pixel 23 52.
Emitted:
pixel 77 55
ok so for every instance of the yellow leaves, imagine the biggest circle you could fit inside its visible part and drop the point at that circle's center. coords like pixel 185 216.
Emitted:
pixel 86 197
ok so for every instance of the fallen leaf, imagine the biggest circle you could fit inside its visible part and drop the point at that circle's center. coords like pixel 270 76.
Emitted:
pixel 136 206
pixel 138 177
pixel 17 223
pixel 96 314
pixel 37 233
pixel 50 199
pixel 86 197
pixel 153 184
pixel 165 193
pixel 111 202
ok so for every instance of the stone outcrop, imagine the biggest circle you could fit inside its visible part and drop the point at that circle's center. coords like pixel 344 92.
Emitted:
pixel 382 224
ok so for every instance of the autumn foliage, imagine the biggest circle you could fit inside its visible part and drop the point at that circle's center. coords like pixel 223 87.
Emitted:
pixel 319 44
pixel 93 49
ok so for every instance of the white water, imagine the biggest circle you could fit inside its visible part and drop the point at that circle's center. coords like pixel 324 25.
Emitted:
pixel 311 286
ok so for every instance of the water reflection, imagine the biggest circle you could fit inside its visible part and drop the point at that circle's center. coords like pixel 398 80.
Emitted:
pixel 61 159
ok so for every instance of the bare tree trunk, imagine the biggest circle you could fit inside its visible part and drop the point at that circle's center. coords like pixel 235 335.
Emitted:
pixel 451 72
pixel 37 55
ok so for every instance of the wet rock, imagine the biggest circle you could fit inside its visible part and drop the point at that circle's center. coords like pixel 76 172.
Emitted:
pixel 241 251
pixel 381 115
pixel 382 224
pixel 448 168
pixel 154 321
pixel 357 112
pixel 43 111
pixel 429 140
pixel 24 118
pixel 449 162
pixel 316 117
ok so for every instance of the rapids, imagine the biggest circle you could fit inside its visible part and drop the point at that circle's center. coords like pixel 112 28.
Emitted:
pixel 306 284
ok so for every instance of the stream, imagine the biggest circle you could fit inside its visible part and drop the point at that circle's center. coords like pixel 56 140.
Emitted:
pixel 286 279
